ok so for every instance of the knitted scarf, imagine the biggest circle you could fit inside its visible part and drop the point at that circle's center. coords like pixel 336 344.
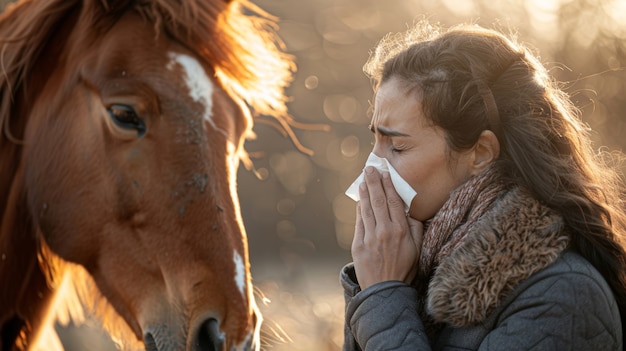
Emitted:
pixel 450 226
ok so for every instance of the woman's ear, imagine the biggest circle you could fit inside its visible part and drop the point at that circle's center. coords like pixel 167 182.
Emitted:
pixel 486 150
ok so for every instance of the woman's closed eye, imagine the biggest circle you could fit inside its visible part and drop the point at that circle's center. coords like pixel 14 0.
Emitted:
pixel 398 148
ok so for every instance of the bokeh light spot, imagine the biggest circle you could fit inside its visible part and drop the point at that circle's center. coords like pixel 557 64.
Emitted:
pixel 311 82
pixel 285 207
pixel 341 108
pixel 294 171
pixel 348 108
pixel 261 173
pixel 350 146
pixel 322 310
pixel 613 63
pixel 285 229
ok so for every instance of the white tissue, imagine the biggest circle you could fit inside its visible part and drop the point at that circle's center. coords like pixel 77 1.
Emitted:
pixel 403 188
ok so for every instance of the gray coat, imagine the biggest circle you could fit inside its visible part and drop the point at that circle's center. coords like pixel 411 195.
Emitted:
pixel 510 285
pixel 567 306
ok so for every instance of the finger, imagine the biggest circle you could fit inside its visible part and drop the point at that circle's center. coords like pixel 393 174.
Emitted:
pixel 416 228
pixel 365 209
pixel 377 197
pixel 359 229
pixel 395 206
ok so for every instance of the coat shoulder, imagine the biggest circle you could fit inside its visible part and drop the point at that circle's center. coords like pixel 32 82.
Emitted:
pixel 567 305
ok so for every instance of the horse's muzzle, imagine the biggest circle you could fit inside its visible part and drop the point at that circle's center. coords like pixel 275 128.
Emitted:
pixel 207 337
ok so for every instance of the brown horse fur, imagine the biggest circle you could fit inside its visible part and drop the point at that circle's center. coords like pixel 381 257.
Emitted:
pixel 33 33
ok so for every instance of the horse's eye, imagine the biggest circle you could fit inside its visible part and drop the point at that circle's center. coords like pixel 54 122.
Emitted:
pixel 126 117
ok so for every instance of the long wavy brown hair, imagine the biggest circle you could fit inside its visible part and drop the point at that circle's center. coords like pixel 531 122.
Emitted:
pixel 473 79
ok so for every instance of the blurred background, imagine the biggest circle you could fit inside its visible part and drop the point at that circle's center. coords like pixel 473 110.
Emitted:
pixel 298 220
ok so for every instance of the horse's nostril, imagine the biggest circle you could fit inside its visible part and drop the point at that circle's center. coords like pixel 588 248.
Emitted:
pixel 149 342
pixel 209 337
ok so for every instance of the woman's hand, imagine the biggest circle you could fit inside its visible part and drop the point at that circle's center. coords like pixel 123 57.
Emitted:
pixel 387 243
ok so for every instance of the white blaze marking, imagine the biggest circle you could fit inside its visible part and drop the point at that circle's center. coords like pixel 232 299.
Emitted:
pixel 199 84
pixel 240 273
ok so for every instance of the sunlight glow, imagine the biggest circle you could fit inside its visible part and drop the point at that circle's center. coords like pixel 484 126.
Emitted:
pixel 461 7
pixel 77 299
pixel 544 17
pixel 47 339
pixel 616 12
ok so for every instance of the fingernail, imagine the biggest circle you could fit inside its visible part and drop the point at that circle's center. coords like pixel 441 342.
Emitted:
pixel 369 170
pixel 363 186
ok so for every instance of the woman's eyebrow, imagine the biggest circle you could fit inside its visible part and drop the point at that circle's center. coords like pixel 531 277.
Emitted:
pixel 387 132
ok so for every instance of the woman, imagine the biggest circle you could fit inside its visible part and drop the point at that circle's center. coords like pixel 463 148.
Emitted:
pixel 513 240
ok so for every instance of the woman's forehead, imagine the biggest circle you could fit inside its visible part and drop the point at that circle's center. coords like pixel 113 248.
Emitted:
pixel 397 104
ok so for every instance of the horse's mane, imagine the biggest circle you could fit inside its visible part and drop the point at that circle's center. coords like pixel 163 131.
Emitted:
pixel 246 53
pixel 236 37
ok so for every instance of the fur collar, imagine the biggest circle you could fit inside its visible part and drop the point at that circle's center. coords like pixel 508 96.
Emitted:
pixel 516 238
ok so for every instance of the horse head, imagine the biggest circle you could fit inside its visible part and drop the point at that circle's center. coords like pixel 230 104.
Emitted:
pixel 123 136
